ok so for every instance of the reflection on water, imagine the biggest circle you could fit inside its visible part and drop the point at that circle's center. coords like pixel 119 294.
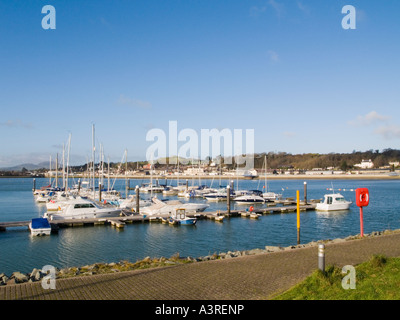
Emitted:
pixel 86 245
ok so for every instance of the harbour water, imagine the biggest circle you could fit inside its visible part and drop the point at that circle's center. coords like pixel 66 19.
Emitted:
pixel 79 246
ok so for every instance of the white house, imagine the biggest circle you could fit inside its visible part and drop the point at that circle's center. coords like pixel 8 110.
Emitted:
pixel 365 164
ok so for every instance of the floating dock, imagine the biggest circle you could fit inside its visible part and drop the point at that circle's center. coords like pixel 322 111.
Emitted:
pixel 120 222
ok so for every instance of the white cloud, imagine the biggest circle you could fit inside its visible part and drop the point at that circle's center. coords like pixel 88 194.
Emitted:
pixel 303 7
pixel 273 56
pixel 368 119
pixel 256 11
pixel 289 134
pixel 278 7
pixel 124 100
pixel 16 124
pixel 388 132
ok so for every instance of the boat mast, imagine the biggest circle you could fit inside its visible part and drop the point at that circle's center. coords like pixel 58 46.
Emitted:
pixel 265 173
pixel 93 155
pixel 69 148
pixel 50 172
pixel 57 171
pixel 63 166
pixel 108 178
pixel 151 177
pixel 177 180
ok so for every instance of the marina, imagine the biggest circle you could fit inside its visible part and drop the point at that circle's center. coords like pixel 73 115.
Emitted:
pixel 134 236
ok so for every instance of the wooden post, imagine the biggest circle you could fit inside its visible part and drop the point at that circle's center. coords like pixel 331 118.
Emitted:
pixel 34 185
pixel 79 185
pixel 228 199
pixel 298 216
pixel 305 192
pixel 99 191
pixel 137 199
pixel 127 188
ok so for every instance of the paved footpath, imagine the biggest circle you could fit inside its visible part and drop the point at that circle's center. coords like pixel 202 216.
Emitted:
pixel 244 278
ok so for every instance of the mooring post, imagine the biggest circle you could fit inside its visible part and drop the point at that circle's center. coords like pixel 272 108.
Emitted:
pixel 228 199
pixel 127 188
pixel 321 257
pixel 137 199
pixel 79 185
pixel 34 185
pixel 298 216
pixel 305 192
pixel 99 191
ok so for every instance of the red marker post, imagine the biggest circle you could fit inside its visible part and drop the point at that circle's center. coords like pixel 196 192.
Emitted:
pixel 362 200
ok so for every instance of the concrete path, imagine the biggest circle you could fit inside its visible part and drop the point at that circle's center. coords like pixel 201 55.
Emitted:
pixel 244 278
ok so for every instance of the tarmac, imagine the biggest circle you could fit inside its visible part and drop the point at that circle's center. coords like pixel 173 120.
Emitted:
pixel 255 277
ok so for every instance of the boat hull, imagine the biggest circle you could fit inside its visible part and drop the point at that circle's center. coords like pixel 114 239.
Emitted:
pixel 89 215
pixel 336 207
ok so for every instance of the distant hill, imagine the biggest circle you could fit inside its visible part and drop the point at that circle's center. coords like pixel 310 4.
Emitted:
pixel 275 160
pixel 27 166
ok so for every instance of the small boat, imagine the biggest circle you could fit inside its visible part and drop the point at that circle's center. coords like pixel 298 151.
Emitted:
pixel 179 217
pixel 170 206
pixel 169 191
pixel 271 196
pixel 333 202
pixel 147 187
pixel 250 197
pixel 40 227
pixel 216 196
pixel 81 208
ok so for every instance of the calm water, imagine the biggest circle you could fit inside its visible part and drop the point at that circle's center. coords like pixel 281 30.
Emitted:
pixel 86 245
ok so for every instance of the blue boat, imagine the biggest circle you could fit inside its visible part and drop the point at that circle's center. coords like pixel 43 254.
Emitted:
pixel 40 227
pixel 179 218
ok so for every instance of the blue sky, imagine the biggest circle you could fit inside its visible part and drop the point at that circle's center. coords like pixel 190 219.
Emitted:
pixel 286 69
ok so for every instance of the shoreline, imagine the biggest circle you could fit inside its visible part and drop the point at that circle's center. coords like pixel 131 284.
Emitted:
pixel 360 176
pixel 160 262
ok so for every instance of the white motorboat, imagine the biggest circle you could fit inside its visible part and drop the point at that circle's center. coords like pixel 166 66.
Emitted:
pixel 271 196
pixel 130 202
pixel 40 227
pixel 169 207
pixel 81 208
pixel 249 199
pixel 217 195
pixel 151 188
pixel 333 202
pixel 169 191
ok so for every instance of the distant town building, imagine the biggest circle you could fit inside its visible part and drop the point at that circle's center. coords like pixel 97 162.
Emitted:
pixel 365 164
pixel 194 171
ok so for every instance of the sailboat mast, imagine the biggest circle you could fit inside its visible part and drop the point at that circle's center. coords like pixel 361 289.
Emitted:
pixel 93 156
pixel 63 166
pixel 50 173
pixel 57 171
pixel 108 178
pixel 69 148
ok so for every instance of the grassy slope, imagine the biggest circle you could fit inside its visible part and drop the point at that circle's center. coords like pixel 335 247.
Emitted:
pixel 377 279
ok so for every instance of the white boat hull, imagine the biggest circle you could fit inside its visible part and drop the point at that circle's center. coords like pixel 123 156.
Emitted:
pixel 40 231
pixel 329 207
pixel 333 202
pixel 86 215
